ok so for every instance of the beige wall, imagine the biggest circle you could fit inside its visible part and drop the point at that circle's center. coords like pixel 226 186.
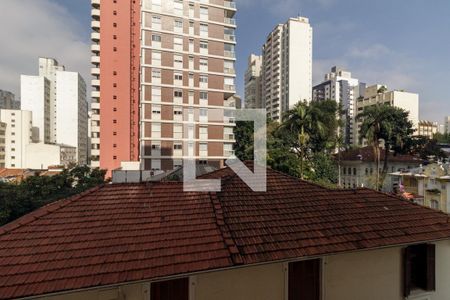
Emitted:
pixel 255 283
pixel 369 275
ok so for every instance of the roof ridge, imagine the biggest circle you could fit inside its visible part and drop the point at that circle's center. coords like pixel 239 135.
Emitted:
pixel 45 210
pixel 232 248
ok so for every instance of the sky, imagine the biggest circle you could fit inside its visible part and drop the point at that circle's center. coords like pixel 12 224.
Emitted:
pixel 404 44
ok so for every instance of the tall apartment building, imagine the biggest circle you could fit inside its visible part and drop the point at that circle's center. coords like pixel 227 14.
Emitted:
pixel 48 67
pixel 447 124
pixel 378 94
pixel 253 92
pixel 57 99
pixel 287 67
pixel 8 101
pixel 345 90
pixel 72 113
pixel 2 144
pixel 35 97
pixel 17 136
pixel 172 103
pixel 427 128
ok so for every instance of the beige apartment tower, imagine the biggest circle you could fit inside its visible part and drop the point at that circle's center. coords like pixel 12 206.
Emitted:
pixel 184 81
pixel 253 92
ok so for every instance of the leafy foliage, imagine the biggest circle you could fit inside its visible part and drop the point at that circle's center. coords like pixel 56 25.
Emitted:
pixel 301 145
pixel 34 192
pixel 389 124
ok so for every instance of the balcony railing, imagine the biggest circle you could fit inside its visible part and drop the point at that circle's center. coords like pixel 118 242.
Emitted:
pixel 229 4
pixel 230 54
pixel 230 21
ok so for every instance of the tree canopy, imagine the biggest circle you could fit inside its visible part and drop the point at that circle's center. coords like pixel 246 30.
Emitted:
pixel 18 199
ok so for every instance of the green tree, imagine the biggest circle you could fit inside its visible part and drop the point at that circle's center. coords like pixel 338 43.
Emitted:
pixel 384 123
pixel 36 191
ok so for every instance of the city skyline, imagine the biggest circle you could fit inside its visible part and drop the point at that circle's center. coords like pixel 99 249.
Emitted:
pixel 376 49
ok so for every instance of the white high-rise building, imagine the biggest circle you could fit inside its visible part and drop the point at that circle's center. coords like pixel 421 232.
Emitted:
pixel 72 113
pixel 253 82
pixel 35 97
pixel 57 99
pixel 287 66
pixel 48 68
pixel 447 124
pixel 345 90
pixel 17 136
pixel 2 144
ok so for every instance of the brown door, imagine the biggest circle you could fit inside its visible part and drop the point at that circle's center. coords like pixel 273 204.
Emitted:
pixel 170 290
pixel 304 280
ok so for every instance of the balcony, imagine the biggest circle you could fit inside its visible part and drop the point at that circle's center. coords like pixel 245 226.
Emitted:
pixel 95 48
pixel 230 21
pixel 229 87
pixel 230 37
pixel 95 3
pixel 95 25
pixel 95 13
pixel 95 82
pixel 229 4
pixel 95 59
pixel 95 94
pixel 95 105
pixel 230 54
pixel 95 71
pixel 95 36
pixel 229 71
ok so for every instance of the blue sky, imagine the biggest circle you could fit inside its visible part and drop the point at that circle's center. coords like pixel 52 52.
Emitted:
pixel 404 44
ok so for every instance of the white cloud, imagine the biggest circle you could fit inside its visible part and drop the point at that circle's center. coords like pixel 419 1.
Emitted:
pixel 33 28
pixel 371 52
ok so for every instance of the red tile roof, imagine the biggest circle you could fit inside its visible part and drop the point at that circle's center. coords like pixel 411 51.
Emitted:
pixel 366 154
pixel 128 232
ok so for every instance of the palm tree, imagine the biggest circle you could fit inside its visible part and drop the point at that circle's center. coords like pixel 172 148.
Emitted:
pixel 373 127
pixel 303 120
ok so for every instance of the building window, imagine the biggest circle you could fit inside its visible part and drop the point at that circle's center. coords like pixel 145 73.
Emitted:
pixel 178 7
pixel 178 24
pixel 178 76
pixel 203 79
pixel 434 204
pixel 168 290
pixel 419 268
pixel 178 94
pixel 156 38
pixel 178 146
pixel 304 280
pixel 203 45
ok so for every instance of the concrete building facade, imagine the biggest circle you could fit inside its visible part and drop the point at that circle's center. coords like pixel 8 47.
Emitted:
pixel 8 100
pixel 40 156
pixel 72 113
pixel 447 124
pixel 287 67
pixel 173 103
pixel 35 97
pixel 2 144
pixel 339 86
pixel 427 128
pixel 18 135
pixel 57 99
pixel 48 67
pixel 378 94
pixel 253 92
